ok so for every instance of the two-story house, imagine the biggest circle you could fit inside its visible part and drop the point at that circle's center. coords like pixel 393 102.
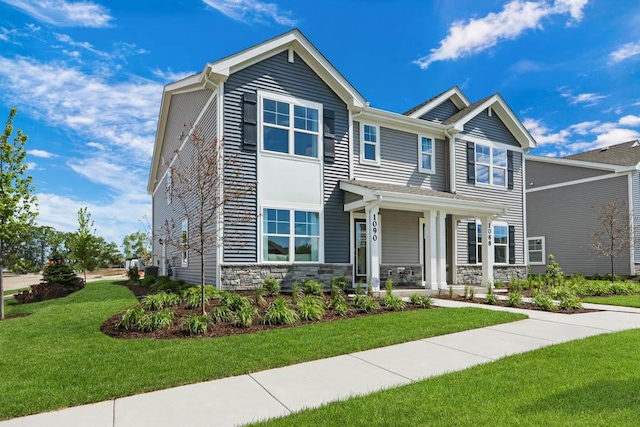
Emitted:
pixel 430 197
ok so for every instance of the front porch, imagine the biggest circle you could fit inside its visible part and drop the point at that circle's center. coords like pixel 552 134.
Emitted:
pixel 408 234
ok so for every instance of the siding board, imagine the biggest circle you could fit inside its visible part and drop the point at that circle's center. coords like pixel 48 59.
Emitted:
pixel 400 234
pixel 490 128
pixel 542 173
pixel 441 113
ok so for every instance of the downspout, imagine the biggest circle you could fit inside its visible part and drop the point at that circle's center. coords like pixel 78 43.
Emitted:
pixel 452 162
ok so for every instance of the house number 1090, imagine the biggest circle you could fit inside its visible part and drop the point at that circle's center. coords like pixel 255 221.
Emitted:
pixel 374 227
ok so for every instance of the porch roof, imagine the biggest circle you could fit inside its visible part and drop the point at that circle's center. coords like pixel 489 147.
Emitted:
pixel 400 197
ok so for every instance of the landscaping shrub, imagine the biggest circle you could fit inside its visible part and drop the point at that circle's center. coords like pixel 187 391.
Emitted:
pixel 279 313
pixel 195 324
pixel 554 276
pixel 296 292
pixel 491 299
pixel 311 307
pixel 569 302
pixel 365 302
pixel 160 300
pixel 162 319
pixel 244 316
pixel 192 297
pixel 341 307
pixel 148 280
pixel 311 287
pixel 393 303
pixel 221 314
pixel 164 283
pixel 422 301
pixel 340 282
pixel 388 286
pixel 133 274
pixel 543 301
pixel 259 297
pixel 271 286
pixel 61 273
pixel 558 292
pixel 514 299
pixel 131 318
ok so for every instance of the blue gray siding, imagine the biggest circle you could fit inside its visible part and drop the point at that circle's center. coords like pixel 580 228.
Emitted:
pixel 296 79
pixel 442 112
pixel 566 216
pixel 400 236
pixel 491 128
pixel 635 205
pixel 399 161
pixel 512 199
pixel 173 214
pixel 543 173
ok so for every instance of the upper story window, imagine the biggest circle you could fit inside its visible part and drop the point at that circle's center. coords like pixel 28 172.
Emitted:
pixel 285 240
pixel 426 154
pixel 536 249
pixel 290 126
pixel 491 165
pixel 370 143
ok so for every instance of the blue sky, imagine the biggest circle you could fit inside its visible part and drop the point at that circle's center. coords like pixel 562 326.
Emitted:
pixel 87 76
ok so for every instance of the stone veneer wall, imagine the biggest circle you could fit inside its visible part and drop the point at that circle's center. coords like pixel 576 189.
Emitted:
pixel 249 276
pixel 409 279
pixel 472 274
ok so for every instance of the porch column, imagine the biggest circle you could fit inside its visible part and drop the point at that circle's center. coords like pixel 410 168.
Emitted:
pixel 431 250
pixel 487 251
pixel 441 251
pixel 373 246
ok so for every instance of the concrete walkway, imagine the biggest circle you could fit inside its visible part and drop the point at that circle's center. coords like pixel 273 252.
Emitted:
pixel 278 392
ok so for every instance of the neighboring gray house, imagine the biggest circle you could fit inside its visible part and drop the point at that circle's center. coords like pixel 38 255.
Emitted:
pixel 563 195
pixel 341 188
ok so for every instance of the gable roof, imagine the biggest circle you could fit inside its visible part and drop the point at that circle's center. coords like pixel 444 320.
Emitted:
pixel 454 94
pixel 624 154
pixel 504 112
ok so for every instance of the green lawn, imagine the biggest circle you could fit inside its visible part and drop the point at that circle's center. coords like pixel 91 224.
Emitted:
pixel 15 291
pixel 59 357
pixel 623 300
pixel 591 382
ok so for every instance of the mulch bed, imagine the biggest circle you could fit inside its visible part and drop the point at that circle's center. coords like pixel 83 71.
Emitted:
pixel 524 305
pixel 221 329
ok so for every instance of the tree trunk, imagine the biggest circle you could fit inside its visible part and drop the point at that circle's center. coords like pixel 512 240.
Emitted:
pixel 202 284
pixel 612 279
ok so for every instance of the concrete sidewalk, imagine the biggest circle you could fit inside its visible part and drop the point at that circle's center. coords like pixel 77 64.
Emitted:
pixel 278 392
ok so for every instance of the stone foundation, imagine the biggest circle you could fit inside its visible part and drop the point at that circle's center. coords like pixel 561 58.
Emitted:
pixel 472 274
pixel 249 276
pixel 411 277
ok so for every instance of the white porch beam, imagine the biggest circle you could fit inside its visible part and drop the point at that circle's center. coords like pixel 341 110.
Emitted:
pixel 431 250
pixel 487 251
pixel 441 250
pixel 373 247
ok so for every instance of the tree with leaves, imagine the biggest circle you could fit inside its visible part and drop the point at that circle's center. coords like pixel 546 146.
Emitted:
pixel 614 235
pixel 17 205
pixel 83 243
pixel 136 245
pixel 199 195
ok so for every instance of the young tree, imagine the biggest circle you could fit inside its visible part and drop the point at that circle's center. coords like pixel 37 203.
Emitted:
pixel 614 235
pixel 83 243
pixel 136 245
pixel 16 202
pixel 199 195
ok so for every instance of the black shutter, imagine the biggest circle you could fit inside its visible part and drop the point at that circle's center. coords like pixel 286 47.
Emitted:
pixel 250 121
pixel 512 244
pixel 471 162
pixel 329 135
pixel 510 169
pixel 472 242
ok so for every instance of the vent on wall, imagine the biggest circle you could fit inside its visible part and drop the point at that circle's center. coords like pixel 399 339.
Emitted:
pixel 604 149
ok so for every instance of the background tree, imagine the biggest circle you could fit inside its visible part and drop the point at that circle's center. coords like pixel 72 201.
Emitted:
pixel 83 243
pixel 199 196
pixel 16 201
pixel 614 234
pixel 136 245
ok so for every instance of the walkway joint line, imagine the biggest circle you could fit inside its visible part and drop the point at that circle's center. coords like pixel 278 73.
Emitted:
pixel 380 367
pixel 270 394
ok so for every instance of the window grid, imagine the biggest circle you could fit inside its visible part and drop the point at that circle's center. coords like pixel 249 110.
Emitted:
pixel 426 159
pixel 536 250
pixel 491 165
pixel 370 143
pixel 285 240
pixel 500 243
pixel 298 136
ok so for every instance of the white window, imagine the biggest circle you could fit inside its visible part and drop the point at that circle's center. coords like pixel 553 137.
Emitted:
pixel 491 165
pixel 290 126
pixel 536 250
pixel 168 188
pixel 500 236
pixel 426 154
pixel 185 243
pixel 285 240
pixel 370 143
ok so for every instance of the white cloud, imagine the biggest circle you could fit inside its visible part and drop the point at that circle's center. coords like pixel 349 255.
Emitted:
pixel 249 11
pixel 625 51
pixel 31 165
pixel 65 13
pixel 467 38
pixel 95 145
pixel 587 99
pixel 40 153
pixel 543 135
pixel 630 120
pixel 171 76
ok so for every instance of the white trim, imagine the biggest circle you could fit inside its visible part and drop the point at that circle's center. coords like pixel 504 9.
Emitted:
pixel 493 242
pixel 292 235
pixel 363 160
pixel 455 94
pixel 422 238
pixel 292 101
pixel 452 164
pixel 401 122
pixel 432 170
pixel 350 145
pixel 580 163
pixel 574 182
pixel 186 138
pixel 491 165
pixel 490 143
pixel 220 219
pixel 633 229
pixel 544 250
pixel 525 224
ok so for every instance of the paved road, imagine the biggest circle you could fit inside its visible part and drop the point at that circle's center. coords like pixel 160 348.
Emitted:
pixel 26 280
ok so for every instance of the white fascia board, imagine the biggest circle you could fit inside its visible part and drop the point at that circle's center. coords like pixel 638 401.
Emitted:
pixel 457 204
pixel 401 122
pixel 456 96
pixel 500 107
pixel 579 163
pixel 222 69
pixel 366 193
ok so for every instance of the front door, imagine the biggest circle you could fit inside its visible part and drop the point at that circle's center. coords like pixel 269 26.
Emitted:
pixel 361 249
